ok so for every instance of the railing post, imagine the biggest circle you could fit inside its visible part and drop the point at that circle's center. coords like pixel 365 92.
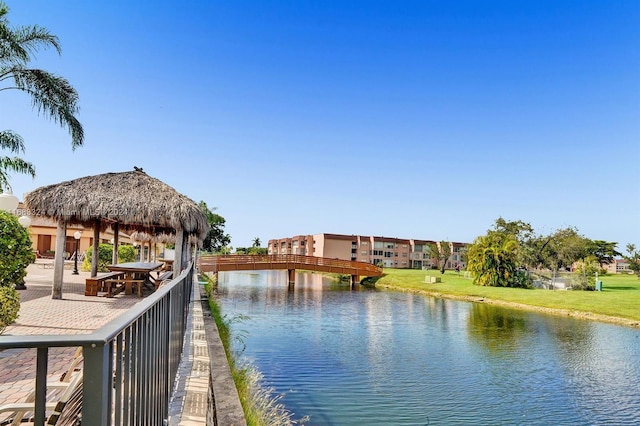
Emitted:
pixel 96 398
pixel 41 384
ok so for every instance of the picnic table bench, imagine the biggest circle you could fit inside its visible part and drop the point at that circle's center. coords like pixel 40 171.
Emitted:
pixel 101 283
pixel 127 283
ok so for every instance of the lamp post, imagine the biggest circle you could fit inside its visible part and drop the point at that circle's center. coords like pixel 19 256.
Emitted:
pixel 76 236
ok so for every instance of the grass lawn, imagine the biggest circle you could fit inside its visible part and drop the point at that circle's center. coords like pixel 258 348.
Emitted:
pixel 620 297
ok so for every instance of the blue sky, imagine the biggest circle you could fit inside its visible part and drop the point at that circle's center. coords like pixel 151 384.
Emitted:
pixel 411 119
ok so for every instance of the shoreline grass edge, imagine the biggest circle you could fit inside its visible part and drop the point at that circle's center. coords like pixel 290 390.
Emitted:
pixel 619 303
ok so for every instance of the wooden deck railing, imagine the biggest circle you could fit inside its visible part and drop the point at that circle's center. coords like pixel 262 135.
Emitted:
pixel 233 262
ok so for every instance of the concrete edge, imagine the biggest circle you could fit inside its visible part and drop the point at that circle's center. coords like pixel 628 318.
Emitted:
pixel 228 409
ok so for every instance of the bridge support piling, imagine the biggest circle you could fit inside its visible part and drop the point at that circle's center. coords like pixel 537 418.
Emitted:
pixel 354 280
pixel 291 274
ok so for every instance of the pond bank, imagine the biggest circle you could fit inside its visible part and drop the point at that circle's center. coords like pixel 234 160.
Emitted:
pixel 553 311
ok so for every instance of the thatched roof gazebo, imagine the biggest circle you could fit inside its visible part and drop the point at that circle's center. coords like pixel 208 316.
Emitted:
pixel 127 201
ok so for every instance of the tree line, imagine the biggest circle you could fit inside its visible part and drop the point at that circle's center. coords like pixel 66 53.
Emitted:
pixel 510 250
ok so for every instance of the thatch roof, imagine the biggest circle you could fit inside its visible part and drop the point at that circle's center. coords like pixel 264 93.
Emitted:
pixel 137 201
pixel 144 237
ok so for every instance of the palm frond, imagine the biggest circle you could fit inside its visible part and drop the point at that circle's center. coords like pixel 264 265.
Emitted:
pixel 51 95
pixel 33 38
pixel 14 164
pixel 18 165
pixel 11 141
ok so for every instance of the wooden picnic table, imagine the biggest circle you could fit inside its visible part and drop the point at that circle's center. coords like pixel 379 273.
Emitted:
pixel 138 273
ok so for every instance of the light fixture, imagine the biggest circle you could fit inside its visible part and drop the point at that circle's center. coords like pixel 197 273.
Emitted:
pixel 25 221
pixel 8 201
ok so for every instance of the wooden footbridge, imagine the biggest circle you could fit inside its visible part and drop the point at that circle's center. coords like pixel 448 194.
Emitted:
pixel 290 262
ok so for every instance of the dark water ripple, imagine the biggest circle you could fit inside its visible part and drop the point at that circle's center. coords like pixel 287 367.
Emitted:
pixel 379 358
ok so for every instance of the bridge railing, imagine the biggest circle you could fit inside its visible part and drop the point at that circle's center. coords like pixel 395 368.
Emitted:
pixel 215 263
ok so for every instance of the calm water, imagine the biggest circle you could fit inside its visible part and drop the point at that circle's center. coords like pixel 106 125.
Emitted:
pixel 366 357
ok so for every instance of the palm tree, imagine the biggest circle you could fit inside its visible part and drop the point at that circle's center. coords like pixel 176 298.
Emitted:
pixel 256 242
pixel 492 259
pixel 51 95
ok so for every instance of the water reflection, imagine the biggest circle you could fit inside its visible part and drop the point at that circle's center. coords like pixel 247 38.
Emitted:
pixel 496 329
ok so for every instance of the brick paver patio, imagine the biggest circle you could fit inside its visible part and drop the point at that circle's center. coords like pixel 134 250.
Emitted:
pixel 75 313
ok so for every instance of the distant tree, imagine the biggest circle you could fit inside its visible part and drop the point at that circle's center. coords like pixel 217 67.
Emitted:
pixel 562 248
pixel 492 259
pixel 604 251
pixel 51 95
pixel 434 253
pixel 633 258
pixel 216 240
pixel 253 250
pixel 440 252
pixel 520 230
pixel 256 242
pixel 225 250
pixel 444 249
pixel 523 234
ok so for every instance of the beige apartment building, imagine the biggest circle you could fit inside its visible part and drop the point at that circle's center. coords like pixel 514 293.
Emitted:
pixel 618 266
pixel 390 252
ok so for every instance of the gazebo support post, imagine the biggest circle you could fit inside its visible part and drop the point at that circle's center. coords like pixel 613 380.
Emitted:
pixel 114 256
pixel 58 266
pixel 96 247
pixel 177 261
pixel 186 251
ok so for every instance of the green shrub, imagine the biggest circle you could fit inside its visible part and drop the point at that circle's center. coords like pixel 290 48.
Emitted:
pixel 126 253
pixel 15 251
pixel 9 306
